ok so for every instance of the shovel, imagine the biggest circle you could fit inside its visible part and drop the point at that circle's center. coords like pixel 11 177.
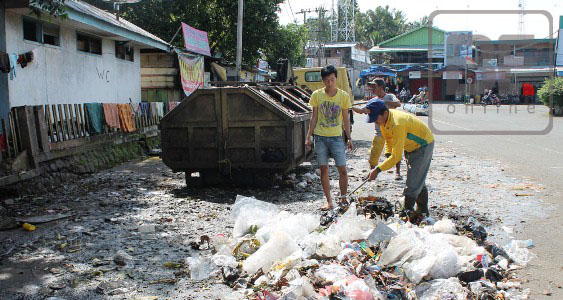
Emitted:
pixel 355 190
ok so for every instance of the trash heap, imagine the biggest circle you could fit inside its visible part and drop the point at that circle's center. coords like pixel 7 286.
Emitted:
pixel 364 253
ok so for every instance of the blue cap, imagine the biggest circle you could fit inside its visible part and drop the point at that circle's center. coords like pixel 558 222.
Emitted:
pixel 375 108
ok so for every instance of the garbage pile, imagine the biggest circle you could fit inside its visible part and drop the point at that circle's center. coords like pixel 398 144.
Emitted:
pixel 364 253
pixel 417 109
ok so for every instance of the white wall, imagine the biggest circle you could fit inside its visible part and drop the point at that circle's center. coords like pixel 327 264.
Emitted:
pixel 65 75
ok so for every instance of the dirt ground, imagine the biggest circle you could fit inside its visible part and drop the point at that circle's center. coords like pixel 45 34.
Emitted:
pixel 143 209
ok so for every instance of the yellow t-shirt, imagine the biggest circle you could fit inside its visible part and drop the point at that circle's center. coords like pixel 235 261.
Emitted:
pixel 329 122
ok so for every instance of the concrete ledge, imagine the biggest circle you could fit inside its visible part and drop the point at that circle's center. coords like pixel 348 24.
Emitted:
pixel 11 179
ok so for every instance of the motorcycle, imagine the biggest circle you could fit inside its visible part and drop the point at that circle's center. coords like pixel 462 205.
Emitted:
pixel 491 99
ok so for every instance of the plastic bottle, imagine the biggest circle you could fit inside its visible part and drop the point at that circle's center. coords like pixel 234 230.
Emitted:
pixel 523 243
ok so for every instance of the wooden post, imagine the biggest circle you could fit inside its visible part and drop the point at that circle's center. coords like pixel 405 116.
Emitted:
pixel 57 124
pixel 62 122
pixel 14 131
pixel 84 108
pixel 68 116
pixel 50 122
pixel 78 120
pixel 28 133
pixel 41 128
pixel 6 134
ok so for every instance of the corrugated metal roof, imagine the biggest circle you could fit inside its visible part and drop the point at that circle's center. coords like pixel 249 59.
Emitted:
pixel 107 17
pixel 415 37
pixel 342 45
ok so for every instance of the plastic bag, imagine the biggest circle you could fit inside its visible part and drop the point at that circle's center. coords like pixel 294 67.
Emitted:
pixel 349 226
pixel 521 256
pixel 224 261
pixel 380 233
pixel 400 249
pixel 443 226
pixel 442 289
pixel 328 274
pixel 321 244
pixel 296 226
pixel 277 248
pixel 248 211
pixel 201 268
pixel 301 288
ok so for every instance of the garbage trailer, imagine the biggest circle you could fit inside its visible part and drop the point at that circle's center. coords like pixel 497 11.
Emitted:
pixel 242 135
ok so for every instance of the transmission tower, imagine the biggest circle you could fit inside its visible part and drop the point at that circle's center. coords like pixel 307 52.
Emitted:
pixel 521 5
pixel 342 25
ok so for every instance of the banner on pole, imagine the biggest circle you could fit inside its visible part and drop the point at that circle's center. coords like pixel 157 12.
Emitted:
pixel 191 72
pixel 195 40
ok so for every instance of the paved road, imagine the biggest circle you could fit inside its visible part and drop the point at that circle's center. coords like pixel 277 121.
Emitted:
pixel 528 155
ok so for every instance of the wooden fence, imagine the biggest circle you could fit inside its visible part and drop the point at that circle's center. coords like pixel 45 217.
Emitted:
pixel 54 127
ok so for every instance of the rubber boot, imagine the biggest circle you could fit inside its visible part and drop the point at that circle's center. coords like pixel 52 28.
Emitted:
pixel 408 203
pixel 422 201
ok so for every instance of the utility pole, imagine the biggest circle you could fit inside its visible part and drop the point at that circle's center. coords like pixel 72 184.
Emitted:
pixel 320 11
pixel 320 54
pixel 239 38
pixel 304 12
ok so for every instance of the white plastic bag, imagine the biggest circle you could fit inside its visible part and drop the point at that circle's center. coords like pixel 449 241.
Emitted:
pixel 521 256
pixel 201 268
pixel 296 226
pixel 248 211
pixel 400 249
pixel 443 226
pixel 442 289
pixel 277 248
pixel 329 274
pixel 349 226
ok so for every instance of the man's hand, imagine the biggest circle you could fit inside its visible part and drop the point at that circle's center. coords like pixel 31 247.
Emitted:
pixel 349 144
pixel 373 174
pixel 308 142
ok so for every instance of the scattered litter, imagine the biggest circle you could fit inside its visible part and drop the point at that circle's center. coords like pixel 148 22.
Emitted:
pixel 350 254
pixel 28 227
pixel 508 229
pixel 520 255
pixel 121 258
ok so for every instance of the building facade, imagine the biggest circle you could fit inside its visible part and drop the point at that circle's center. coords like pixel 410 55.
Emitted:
pixel 507 64
pixel 89 57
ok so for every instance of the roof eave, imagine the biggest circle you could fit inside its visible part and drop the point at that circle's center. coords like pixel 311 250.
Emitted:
pixel 408 32
pixel 102 25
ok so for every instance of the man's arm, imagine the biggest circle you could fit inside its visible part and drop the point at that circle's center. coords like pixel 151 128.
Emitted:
pixel 312 125
pixel 346 122
pixel 396 149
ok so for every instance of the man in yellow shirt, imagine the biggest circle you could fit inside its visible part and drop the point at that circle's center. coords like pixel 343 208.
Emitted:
pixel 330 112
pixel 377 87
pixel 404 132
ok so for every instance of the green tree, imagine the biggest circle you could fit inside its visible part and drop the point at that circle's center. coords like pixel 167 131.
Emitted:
pixel 383 23
pixel 217 17
pixel 54 8
pixel 554 87
pixel 290 43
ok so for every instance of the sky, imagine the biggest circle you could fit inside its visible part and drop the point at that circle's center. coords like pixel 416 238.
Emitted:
pixel 491 26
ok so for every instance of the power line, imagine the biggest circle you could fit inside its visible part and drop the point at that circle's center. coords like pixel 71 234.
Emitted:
pixel 291 9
